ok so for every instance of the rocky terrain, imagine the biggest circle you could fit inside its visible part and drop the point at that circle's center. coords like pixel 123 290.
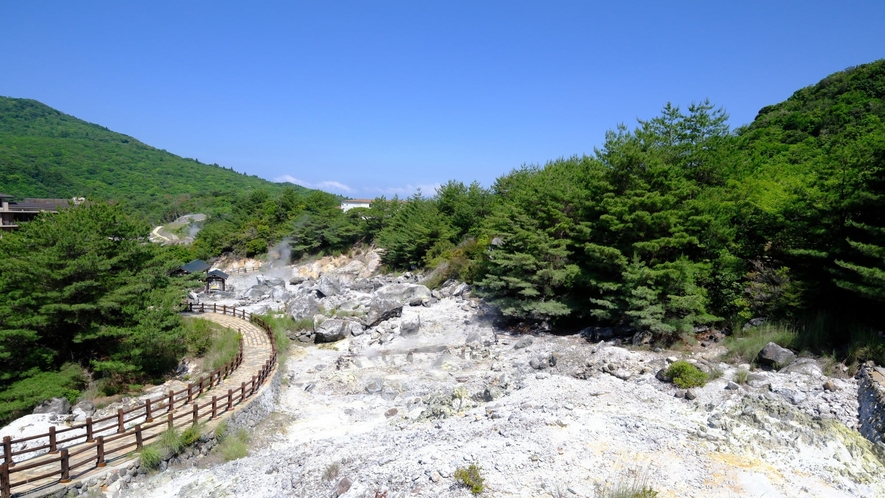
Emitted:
pixel 397 387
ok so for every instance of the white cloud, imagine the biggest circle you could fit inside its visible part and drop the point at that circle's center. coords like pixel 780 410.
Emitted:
pixel 332 185
pixel 291 179
pixel 324 185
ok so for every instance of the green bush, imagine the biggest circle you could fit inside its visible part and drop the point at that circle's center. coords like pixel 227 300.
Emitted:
pixel 685 375
pixel 24 395
pixel 470 477
pixel 170 441
pixel 150 457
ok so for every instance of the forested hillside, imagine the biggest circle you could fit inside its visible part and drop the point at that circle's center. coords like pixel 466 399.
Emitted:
pixel 45 153
pixel 677 223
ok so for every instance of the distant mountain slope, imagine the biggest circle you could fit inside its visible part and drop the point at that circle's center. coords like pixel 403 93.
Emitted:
pixel 46 153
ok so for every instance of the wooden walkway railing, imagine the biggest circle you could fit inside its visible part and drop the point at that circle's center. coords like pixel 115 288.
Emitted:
pixel 82 447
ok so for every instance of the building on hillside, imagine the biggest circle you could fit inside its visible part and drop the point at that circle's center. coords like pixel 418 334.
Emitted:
pixel 195 266
pixel 216 280
pixel 355 203
pixel 13 213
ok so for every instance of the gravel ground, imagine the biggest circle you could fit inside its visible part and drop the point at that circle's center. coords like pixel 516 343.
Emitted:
pixel 392 415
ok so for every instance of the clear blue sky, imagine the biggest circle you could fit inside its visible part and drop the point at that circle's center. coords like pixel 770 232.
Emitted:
pixel 370 98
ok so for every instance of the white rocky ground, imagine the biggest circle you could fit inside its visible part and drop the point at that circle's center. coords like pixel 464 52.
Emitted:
pixel 396 410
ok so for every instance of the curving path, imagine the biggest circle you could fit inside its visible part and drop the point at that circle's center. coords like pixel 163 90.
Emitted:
pixel 257 351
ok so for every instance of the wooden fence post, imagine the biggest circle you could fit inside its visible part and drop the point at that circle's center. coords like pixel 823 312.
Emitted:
pixel 120 427
pixel 7 451
pixel 170 420
pixel 242 391
pixel 230 399
pixel 148 417
pixel 139 442
pixel 65 467
pixel 100 450
pixel 190 393
pixel 171 401
pixel 196 414
pixel 5 491
pixel 223 309
pixel 52 444
pixel 89 430
pixel 214 407
pixel 214 307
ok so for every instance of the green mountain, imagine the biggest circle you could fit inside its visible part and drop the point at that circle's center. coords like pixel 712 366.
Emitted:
pixel 46 153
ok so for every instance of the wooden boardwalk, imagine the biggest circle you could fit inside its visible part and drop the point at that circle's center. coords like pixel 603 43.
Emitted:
pixel 45 474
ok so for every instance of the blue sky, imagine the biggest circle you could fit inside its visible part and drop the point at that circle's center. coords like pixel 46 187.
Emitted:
pixel 370 98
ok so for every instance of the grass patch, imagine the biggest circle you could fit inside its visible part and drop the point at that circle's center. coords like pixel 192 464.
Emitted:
pixel 628 487
pixel 234 446
pixel 192 434
pixel 741 376
pixel 744 345
pixel 170 440
pixel 150 457
pixel 685 375
pixel 280 324
pixel 213 342
pixel 470 478
pixel 331 471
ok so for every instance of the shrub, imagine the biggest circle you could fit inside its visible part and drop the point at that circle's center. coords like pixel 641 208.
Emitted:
pixel 170 441
pixel 685 375
pixel 233 446
pixel 24 395
pixel 331 471
pixel 192 434
pixel 470 478
pixel 150 457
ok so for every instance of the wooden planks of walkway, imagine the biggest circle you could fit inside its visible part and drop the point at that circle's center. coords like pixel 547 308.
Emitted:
pixel 40 475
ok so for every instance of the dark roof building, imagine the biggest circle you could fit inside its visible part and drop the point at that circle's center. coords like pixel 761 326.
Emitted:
pixel 195 266
pixel 12 213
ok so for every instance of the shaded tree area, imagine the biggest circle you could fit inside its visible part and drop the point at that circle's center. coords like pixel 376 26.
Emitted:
pixel 84 290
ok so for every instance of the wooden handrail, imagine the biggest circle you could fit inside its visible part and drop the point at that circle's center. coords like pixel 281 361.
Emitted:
pixel 118 421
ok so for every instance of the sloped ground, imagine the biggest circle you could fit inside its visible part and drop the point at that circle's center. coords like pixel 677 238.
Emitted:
pixel 384 412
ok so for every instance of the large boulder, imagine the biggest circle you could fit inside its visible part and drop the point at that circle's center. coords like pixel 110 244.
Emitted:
pixel 775 356
pixel 381 310
pixel 303 306
pixel 403 293
pixel 330 285
pixel 331 330
pixel 55 405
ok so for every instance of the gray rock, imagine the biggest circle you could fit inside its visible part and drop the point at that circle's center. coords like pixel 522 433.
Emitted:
pixel 83 410
pixel 331 330
pixel 303 306
pixel 830 386
pixel 381 310
pixel 329 285
pixel 374 386
pixel 403 293
pixel 755 322
pixel 542 361
pixel 731 386
pixel 60 406
pixel 296 280
pixel 775 356
pixel 690 395
pixel 523 343
pixel 343 486
pixel 410 325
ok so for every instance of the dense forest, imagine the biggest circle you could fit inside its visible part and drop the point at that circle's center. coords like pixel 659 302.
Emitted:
pixel 45 153
pixel 677 223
